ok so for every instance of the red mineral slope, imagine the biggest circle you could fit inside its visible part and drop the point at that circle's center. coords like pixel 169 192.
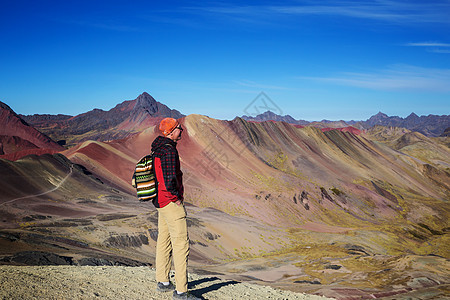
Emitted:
pixel 344 129
pixel 275 172
pixel 114 161
pixel 112 166
pixel 11 144
pixel 282 175
pixel 17 135
pixel 22 153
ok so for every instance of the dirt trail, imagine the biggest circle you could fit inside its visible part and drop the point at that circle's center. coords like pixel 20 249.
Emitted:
pixel 43 193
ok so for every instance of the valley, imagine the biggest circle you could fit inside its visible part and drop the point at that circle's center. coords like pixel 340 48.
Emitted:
pixel 347 214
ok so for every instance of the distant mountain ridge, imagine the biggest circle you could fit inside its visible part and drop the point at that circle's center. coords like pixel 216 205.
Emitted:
pixel 126 118
pixel 271 116
pixel 431 125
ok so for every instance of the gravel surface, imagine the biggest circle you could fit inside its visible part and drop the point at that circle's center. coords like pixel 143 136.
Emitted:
pixel 74 282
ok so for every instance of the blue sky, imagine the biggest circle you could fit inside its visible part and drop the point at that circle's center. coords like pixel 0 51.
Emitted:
pixel 314 60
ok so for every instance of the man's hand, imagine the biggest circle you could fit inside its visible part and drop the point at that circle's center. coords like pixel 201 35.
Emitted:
pixel 178 202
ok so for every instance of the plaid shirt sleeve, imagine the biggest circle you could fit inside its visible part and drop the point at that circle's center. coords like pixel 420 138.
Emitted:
pixel 169 162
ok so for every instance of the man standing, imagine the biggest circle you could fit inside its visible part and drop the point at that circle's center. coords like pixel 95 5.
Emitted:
pixel 173 240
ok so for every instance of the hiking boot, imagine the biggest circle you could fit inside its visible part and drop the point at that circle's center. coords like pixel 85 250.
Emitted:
pixel 185 296
pixel 164 288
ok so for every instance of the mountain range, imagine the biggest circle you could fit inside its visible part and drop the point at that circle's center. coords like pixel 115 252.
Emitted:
pixel 336 212
pixel 121 121
pixel 431 125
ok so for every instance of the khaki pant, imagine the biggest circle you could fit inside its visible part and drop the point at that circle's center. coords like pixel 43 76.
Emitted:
pixel 173 242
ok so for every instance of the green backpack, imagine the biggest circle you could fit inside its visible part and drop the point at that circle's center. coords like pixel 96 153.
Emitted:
pixel 144 179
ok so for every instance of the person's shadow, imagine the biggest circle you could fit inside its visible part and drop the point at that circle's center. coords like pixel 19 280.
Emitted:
pixel 199 292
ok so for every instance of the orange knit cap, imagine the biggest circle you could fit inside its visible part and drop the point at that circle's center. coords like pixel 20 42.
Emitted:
pixel 167 125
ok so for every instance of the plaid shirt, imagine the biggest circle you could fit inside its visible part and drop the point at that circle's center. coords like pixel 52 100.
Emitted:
pixel 165 149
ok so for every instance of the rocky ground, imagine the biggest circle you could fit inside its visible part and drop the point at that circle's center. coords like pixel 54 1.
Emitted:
pixel 75 282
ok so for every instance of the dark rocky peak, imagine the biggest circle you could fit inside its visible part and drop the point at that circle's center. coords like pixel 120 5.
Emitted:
pixel 145 101
pixel 271 116
pixel 383 119
pixel 412 116
pixel 379 116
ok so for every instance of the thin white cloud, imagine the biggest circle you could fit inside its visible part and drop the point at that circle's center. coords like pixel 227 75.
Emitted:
pixel 398 77
pixel 433 47
pixel 428 44
pixel 393 11
pixel 356 11
pixel 442 51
